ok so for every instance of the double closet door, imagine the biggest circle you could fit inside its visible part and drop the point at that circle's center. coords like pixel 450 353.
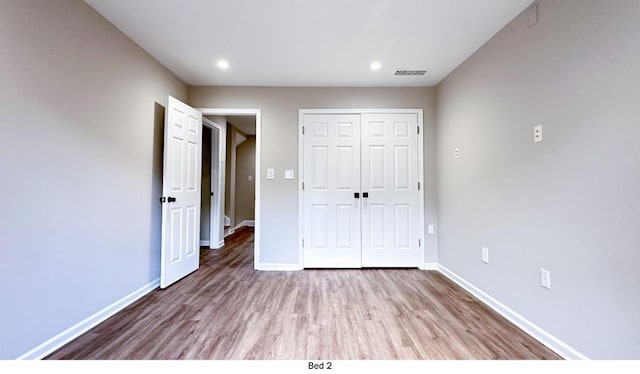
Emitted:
pixel 361 190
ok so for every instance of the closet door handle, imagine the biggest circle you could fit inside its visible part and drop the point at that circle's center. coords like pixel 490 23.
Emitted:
pixel 356 195
pixel 365 195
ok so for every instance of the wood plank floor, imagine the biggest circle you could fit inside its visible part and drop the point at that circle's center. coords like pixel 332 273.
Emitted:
pixel 226 310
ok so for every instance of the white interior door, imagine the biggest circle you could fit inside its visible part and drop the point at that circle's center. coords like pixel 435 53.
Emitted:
pixel 391 212
pixel 218 151
pixel 180 248
pixel 331 212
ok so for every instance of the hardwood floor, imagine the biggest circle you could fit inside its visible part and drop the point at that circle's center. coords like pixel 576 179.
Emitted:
pixel 226 310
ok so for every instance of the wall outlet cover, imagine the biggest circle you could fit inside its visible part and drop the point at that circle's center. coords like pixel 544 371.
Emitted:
pixel 537 133
pixel 288 174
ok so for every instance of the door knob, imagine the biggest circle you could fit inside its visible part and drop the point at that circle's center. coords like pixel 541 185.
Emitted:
pixel 171 199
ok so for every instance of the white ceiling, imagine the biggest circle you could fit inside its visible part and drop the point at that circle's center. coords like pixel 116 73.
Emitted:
pixel 310 42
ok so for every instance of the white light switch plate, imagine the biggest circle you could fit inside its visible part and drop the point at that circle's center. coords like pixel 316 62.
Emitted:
pixel 271 174
pixel 250 178
pixel 485 255
pixel 545 278
pixel 288 174
pixel 431 229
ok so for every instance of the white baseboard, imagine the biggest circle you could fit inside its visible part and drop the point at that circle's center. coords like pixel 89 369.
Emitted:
pixel 429 266
pixel 277 267
pixel 204 243
pixel 246 222
pixel 544 337
pixel 51 345
pixel 220 245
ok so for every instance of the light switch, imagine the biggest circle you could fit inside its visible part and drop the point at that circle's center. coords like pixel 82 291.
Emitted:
pixel 288 174
pixel 271 174
pixel 431 229
pixel 250 178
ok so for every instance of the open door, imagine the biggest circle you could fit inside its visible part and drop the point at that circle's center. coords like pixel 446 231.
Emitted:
pixel 180 248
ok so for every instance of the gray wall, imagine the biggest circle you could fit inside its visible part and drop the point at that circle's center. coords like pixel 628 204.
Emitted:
pixel 81 113
pixel 570 204
pixel 245 189
pixel 279 105
pixel 205 200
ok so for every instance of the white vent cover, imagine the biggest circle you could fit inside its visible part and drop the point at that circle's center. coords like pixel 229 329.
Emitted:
pixel 410 72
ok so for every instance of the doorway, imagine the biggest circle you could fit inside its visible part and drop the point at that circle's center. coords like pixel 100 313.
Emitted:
pixel 231 195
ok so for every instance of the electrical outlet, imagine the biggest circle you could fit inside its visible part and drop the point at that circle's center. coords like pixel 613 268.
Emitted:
pixel 457 153
pixel 485 255
pixel 288 174
pixel 537 133
pixel 545 278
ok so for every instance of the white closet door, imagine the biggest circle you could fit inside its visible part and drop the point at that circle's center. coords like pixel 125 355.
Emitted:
pixel 391 212
pixel 331 178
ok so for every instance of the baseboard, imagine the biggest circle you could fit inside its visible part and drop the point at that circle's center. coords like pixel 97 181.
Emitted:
pixel 204 243
pixel 544 337
pixel 247 223
pixel 429 266
pixel 51 345
pixel 220 245
pixel 277 267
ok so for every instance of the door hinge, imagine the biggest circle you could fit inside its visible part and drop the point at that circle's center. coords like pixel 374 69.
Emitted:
pixel 302 186
pixel 302 242
pixel 419 243
pixel 418 186
pixel 418 130
pixel 302 130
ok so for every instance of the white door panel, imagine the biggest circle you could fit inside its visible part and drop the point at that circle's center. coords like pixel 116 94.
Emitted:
pixel 331 218
pixel 390 213
pixel 181 192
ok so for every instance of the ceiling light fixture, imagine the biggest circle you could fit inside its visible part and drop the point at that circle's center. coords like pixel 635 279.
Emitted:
pixel 223 64
pixel 376 65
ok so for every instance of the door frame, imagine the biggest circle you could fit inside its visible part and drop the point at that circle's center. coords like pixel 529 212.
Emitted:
pixel 303 112
pixel 258 114
pixel 216 216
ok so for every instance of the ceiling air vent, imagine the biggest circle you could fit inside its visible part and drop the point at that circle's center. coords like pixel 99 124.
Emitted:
pixel 410 72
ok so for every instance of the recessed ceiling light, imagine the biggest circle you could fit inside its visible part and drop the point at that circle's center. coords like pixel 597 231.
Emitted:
pixel 376 65
pixel 223 64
